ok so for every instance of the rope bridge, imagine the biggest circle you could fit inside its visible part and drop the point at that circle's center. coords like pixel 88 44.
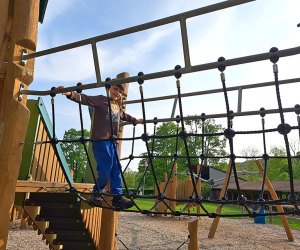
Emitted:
pixel 195 197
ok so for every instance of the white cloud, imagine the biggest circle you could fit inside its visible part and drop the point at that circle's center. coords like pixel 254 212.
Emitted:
pixel 56 8
pixel 135 54
pixel 68 66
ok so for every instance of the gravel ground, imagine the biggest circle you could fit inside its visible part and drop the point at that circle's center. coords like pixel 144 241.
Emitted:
pixel 140 232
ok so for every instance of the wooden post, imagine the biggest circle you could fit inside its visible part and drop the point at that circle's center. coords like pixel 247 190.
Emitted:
pixel 109 221
pixel 275 197
pixel 193 230
pixel 214 225
pixel 18 27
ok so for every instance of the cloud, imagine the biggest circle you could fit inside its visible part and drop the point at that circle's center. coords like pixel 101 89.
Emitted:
pixel 136 53
pixel 77 64
pixel 57 8
pixel 68 66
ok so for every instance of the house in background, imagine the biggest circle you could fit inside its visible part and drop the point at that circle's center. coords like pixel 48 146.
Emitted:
pixel 252 189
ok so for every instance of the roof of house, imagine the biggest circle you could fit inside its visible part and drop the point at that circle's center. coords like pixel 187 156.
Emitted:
pixel 282 186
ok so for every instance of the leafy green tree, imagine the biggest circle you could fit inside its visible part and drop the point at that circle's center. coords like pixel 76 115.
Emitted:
pixel 212 146
pixel 130 178
pixel 278 168
pixel 75 153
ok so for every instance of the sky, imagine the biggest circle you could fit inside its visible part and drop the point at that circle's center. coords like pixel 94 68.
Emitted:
pixel 247 29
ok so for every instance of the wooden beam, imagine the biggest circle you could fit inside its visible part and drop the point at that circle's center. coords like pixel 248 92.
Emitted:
pixel 24 186
pixel 215 223
pixel 275 197
pixel 14 115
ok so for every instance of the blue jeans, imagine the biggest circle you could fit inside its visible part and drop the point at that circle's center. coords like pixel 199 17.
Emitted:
pixel 107 166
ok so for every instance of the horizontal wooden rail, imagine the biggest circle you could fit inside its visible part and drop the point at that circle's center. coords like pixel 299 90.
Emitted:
pixel 47 186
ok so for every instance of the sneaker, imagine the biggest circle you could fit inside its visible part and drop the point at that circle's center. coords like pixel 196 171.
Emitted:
pixel 120 202
pixel 96 200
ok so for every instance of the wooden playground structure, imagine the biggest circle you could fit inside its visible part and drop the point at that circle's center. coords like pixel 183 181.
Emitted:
pixel 33 176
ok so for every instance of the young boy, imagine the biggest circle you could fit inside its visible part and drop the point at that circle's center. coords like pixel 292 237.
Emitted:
pixel 104 153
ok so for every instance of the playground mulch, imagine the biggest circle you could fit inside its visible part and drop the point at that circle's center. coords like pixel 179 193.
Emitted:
pixel 141 232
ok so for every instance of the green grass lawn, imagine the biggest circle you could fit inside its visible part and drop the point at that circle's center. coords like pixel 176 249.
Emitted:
pixel 147 204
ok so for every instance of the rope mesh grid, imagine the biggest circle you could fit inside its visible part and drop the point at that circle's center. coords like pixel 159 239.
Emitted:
pixel 195 198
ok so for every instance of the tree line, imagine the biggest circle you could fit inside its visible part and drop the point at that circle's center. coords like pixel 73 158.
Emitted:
pixel 210 146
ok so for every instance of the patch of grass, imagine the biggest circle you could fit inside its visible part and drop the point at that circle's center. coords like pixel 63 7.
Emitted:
pixel 146 204
pixel 294 223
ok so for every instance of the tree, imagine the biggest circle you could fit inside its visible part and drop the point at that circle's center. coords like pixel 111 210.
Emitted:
pixel 278 168
pixel 295 146
pixel 212 146
pixel 250 151
pixel 75 153
pixel 162 147
pixel 130 178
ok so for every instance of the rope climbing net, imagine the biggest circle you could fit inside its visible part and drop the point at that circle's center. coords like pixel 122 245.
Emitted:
pixel 229 133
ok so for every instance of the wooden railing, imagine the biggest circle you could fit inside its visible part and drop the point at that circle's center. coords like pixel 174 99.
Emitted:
pixel 46 165
pixel 92 220
pixel 42 161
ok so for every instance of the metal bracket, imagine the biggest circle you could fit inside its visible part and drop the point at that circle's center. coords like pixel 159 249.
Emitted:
pixel 24 53
pixel 20 96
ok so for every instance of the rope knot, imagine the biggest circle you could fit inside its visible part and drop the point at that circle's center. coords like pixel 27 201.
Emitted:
pixel 273 55
pixel 145 137
pixel 140 79
pixel 229 133
pixel 177 72
pixel 284 129
pixel 183 135
pixel 221 65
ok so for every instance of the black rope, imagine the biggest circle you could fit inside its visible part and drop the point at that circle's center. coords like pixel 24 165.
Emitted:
pixel 168 136
pixel 183 243
pixel 121 241
pixel 297 111
pixel 53 140
pixel 283 128
pixel 174 162
pixel 183 134
pixel 145 136
pixel 83 140
pixel 131 157
pixel 229 133
pixel 265 155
